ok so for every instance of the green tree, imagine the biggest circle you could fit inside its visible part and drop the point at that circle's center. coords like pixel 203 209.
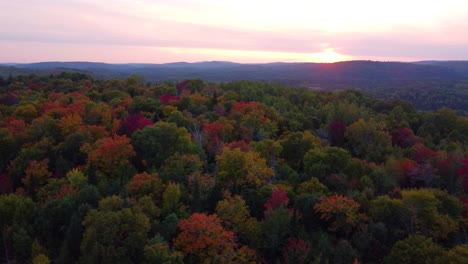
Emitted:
pixel 114 233
pixel 236 217
pixel 295 145
pixel 415 249
pixel 154 144
pixel 369 140
pixel 320 163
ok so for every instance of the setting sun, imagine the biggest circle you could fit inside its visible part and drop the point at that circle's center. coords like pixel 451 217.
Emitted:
pixel 327 55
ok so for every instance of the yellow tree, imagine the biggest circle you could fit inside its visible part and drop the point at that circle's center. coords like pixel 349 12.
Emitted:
pixel 237 169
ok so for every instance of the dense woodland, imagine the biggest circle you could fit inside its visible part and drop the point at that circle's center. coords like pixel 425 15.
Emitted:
pixel 123 171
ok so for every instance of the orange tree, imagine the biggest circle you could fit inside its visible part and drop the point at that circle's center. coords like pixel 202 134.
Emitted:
pixel 203 237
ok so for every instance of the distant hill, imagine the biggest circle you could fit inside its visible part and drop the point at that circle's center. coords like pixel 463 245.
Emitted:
pixel 282 72
pixel 428 85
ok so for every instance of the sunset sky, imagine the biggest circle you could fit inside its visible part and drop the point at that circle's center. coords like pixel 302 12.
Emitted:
pixel 156 31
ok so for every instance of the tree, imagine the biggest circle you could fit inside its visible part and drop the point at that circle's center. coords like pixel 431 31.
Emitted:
pixel 69 123
pixel 36 175
pixel 203 237
pixel 236 217
pixel 171 199
pixel 114 233
pixel 143 184
pixel 368 140
pixel 295 251
pixel 17 215
pixel 156 143
pixel 321 163
pixel 341 213
pixel 132 123
pixel 178 167
pixel 158 251
pixel 415 249
pixel 110 154
pixel 295 145
pixel 336 133
pixel 456 255
pixel 237 169
pixel 429 212
pixel 253 120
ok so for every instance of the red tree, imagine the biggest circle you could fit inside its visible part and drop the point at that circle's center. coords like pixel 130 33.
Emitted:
pixel 295 251
pixel 279 198
pixel 404 138
pixel 169 98
pixel 132 123
pixel 336 133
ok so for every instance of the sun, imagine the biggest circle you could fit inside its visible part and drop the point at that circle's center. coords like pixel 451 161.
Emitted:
pixel 327 55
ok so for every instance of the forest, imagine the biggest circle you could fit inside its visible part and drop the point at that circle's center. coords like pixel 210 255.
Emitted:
pixel 128 171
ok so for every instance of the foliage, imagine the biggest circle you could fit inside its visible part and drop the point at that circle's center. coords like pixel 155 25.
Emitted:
pixel 341 212
pixel 122 171
pixel 205 238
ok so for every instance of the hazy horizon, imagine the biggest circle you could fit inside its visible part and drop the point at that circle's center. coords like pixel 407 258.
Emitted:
pixel 154 31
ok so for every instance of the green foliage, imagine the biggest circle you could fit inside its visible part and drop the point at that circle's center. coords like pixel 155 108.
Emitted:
pixel 320 163
pixel 369 140
pixel 414 249
pixel 154 144
pixel 114 233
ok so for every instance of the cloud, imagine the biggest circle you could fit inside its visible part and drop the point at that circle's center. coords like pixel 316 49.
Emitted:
pixel 204 26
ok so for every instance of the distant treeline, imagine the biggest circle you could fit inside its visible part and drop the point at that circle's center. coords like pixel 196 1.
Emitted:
pixel 127 171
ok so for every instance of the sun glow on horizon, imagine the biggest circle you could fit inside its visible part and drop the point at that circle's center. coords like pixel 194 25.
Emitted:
pixel 327 55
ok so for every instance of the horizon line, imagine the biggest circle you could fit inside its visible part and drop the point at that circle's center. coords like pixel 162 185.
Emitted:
pixel 219 61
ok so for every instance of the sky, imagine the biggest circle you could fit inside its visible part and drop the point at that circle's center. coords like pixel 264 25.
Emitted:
pixel 248 31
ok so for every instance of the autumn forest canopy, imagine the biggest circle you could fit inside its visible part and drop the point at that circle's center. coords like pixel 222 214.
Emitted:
pixel 128 171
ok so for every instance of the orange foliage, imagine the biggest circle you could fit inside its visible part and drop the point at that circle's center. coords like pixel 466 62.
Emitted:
pixel 111 153
pixel 70 123
pixel 16 127
pixel 342 213
pixel 144 184
pixel 37 174
pixel 203 236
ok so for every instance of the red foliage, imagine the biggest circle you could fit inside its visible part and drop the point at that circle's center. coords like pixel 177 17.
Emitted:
pixel 16 127
pixel 249 108
pixel 250 117
pixel 406 166
pixel 132 123
pixel 168 98
pixel 404 138
pixel 416 174
pixel 5 183
pixel 183 87
pixel 279 198
pixel 54 109
pixel 214 134
pixel 423 153
pixel 111 153
pixel 243 145
pixel 336 132
pixel 295 251
pixel 144 184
